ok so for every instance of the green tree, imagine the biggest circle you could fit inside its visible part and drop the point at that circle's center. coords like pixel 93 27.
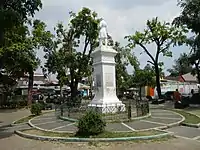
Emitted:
pixel 19 56
pixel 148 67
pixel 181 66
pixel 143 78
pixel 163 35
pixel 194 59
pixel 83 26
pixel 124 58
pixel 14 13
pixel 57 62
pixel 152 68
pixel 14 44
pixel 190 17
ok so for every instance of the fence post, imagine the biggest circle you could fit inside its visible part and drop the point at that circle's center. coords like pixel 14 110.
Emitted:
pixel 61 110
pixel 129 109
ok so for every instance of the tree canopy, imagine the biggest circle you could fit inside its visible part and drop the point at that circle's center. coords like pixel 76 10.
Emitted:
pixel 123 59
pixel 181 66
pixel 190 17
pixel 16 12
pixel 163 35
pixel 69 57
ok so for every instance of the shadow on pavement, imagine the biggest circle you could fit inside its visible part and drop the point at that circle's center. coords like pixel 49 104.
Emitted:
pixel 5 132
pixel 8 110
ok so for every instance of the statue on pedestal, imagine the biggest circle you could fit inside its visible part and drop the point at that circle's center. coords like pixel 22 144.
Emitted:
pixel 103 34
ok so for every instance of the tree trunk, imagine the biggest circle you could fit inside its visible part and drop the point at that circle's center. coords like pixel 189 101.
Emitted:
pixel 61 95
pixel 74 90
pixel 198 72
pixel 61 91
pixel 198 76
pixel 90 91
pixel 158 80
pixel 140 93
pixel 30 87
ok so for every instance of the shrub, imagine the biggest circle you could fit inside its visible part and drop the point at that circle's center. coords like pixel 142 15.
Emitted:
pixel 91 124
pixel 36 109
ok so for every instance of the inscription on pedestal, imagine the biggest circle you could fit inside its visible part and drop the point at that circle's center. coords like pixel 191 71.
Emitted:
pixel 109 80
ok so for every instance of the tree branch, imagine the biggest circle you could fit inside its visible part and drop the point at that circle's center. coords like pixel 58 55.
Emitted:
pixel 157 53
pixel 150 62
pixel 145 49
pixel 156 39
pixel 91 48
pixel 87 41
pixel 86 45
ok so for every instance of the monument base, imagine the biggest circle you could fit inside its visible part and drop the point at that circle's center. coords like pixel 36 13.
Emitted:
pixel 108 107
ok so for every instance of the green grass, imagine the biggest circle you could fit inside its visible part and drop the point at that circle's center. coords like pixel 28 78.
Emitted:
pixel 24 120
pixel 189 118
pixel 127 134
pixel 196 111
pixel 102 135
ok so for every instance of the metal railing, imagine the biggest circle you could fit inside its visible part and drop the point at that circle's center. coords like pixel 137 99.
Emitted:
pixel 110 112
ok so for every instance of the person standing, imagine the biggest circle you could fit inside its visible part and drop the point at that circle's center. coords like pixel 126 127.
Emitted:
pixel 177 96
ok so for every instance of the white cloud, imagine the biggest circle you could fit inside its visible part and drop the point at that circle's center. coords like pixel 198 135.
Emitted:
pixel 124 17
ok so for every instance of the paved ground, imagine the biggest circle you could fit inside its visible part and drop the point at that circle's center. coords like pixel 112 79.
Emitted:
pixel 158 118
pixel 18 143
pixel 188 138
pixel 8 116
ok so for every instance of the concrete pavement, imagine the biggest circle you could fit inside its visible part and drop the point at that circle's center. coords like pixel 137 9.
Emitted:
pixel 8 116
pixel 159 118
pixel 17 143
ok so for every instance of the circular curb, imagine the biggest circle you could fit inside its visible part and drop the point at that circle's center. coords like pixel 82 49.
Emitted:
pixel 179 122
pixel 132 119
pixel 68 119
pixel 13 123
pixel 74 120
pixel 164 127
pixel 48 111
pixel 190 124
pixel 46 130
pixel 62 139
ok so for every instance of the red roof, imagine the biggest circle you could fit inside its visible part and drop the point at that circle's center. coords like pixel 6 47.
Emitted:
pixel 178 78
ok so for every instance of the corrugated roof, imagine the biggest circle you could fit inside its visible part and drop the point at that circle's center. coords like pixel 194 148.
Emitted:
pixel 189 77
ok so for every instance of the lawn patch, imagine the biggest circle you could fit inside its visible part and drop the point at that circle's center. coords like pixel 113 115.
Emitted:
pixel 189 118
pixel 24 119
pixel 102 135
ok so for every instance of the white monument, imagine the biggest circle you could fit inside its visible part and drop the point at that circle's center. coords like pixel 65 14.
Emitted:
pixel 104 75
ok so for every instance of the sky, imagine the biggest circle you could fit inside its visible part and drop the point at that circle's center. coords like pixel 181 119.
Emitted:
pixel 123 17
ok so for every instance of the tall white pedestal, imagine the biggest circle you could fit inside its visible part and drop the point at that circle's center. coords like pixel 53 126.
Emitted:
pixel 105 83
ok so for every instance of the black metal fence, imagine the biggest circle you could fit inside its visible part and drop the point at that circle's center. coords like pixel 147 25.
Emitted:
pixel 111 112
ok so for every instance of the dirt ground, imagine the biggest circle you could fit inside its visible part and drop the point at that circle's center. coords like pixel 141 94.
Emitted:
pixel 17 143
pixel 8 116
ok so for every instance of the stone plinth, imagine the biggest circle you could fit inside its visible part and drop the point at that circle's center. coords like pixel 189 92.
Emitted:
pixel 105 98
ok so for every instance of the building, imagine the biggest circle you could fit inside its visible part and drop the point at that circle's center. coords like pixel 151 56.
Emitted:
pixel 39 82
pixel 184 83
pixel 190 78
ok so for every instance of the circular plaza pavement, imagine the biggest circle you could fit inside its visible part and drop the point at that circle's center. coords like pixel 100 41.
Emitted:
pixel 159 119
